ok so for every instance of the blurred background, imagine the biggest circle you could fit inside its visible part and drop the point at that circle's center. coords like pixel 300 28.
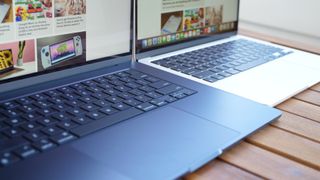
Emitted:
pixel 292 22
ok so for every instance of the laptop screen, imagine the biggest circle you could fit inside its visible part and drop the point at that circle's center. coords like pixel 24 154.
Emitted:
pixel 46 36
pixel 164 22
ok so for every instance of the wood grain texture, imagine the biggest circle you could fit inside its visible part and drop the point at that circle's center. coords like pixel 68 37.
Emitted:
pixel 299 125
pixel 309 96
pixel 288 145
pixel 316 87
pixel 301 108
pixel 267 164
pixel 218 169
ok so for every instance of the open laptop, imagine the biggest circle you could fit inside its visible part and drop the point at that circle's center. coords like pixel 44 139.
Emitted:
pixel 4 9
pixel 208 50
pixel 109 119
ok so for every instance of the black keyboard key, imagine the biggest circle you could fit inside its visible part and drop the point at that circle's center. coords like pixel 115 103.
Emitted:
pixel 160 84
pixel 108 110
pixel 10 144
pixel 44 144
pixel 25 151
pixel 74 103
pixel 158 102
pixel 125 95
pixel 89 107
pixel 95 115
pixel 10 113
pixel 81 120
pixel 51 131
pixel 136 92
pixel 34 136
pixel 9 105
pixel 14 121
pixel 7 159
pixel 13 132
pixel 146 107
pixel 142 98
pixel 27 108
pixel 120 106
pixel 102 103
pixel 67 125
pixel 61 116
pixel 42 104
pixel 46 111
pixel 132 102
pixel 153 95
pixel 31 126
pixel 31 116
pixel 24 101
pixel 88 99
pixel 46 121
pixel 75 112
pixel 169 89
pixel 63 138
pixel 105 122
pixel 114 99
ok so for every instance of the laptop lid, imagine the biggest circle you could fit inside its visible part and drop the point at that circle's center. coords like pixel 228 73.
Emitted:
pixel 167 25
pixel 64 38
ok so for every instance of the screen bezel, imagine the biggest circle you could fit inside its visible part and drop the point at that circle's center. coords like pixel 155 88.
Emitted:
pixel 155 50
pixel 38 77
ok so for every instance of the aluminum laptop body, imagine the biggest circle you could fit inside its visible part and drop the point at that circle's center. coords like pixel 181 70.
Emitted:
pixel 270 83
pixel 166 142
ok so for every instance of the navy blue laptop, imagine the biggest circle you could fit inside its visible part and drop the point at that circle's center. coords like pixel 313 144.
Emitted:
pixel 79 109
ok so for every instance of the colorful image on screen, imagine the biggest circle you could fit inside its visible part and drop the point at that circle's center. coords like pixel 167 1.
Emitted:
pixel 62 51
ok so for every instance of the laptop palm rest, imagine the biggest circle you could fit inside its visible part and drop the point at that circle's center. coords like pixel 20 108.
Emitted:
pixel 151 141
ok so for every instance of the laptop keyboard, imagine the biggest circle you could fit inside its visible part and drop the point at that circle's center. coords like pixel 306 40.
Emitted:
pixel 224 60
pixel 39 122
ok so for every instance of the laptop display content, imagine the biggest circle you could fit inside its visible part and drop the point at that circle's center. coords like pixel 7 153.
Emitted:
pixel 6 61
pixel 174 23
pixel 73 37
pixel 4 10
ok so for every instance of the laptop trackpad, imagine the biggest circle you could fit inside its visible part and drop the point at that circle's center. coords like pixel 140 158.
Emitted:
pixel 156 144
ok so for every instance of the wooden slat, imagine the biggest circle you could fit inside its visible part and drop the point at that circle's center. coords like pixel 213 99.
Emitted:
pixel 218 169
pixel 316 87
pixel 289 145
pixel 301 108
pixel 267 164
pixel 299 125
pixel 309 96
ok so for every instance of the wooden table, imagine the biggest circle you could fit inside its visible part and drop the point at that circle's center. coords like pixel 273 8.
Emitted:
pixel 286 149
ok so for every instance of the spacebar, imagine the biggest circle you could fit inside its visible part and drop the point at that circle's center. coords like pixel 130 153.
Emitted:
pixel 105 122
pixel 250 65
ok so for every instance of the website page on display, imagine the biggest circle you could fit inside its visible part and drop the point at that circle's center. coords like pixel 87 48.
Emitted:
pixel 177 20
pixel 47 35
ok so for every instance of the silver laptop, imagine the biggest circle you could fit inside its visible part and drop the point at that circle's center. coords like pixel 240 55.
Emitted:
pixel 207 49
pixel 4 8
